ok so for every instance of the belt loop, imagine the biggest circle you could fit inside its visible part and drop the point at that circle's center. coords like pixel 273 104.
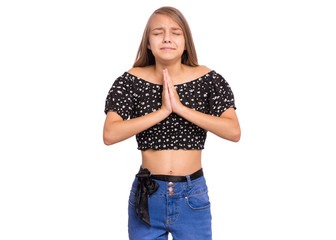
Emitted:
pixel 188 180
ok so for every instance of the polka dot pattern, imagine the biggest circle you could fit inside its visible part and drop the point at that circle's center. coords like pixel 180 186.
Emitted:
pixel 133 97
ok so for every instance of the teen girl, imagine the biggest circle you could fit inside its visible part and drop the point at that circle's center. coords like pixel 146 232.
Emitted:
pixel 169 102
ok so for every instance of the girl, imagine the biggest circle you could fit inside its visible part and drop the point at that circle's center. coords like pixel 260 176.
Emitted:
pixel 169 102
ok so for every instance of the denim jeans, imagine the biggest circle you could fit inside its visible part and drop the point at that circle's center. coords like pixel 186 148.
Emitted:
pixel 184 211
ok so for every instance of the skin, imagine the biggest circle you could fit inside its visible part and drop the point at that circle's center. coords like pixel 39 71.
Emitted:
pixel 167 43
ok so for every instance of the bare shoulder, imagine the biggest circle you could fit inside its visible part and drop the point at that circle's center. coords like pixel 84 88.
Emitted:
pixel 198 71
pixel 135 70
pixel 141 72
pixel 202 70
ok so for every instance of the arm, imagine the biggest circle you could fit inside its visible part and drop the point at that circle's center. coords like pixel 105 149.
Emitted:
pixel 226 126
pixel 116 129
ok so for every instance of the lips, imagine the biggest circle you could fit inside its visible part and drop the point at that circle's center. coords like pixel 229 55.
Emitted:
pixel 167 48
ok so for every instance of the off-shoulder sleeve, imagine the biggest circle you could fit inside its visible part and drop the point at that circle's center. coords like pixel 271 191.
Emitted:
pixel 221 96
pixel 119 97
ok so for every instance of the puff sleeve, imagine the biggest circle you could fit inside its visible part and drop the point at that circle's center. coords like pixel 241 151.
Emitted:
pixel 119 97
pixel 221 96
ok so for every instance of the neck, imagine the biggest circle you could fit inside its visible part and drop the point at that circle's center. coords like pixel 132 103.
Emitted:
pixel 174 69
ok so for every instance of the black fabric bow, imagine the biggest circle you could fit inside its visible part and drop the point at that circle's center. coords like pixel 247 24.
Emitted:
pixel 145 187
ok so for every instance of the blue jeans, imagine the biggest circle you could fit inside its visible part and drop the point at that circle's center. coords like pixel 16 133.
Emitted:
pixel 183 210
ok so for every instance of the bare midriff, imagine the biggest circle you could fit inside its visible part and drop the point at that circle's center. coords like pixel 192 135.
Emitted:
pixel 178 162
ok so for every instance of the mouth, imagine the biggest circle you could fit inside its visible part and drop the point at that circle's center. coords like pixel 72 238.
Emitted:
pixel 167 48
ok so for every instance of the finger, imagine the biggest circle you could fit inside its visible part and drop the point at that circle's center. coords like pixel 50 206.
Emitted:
pixel 170 83
pixel 164 79
pixel 166 82
pixel 168 78
pixel 170 88
pixel 167 75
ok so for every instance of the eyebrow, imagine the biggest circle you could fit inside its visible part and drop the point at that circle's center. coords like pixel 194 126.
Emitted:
pixel 161 28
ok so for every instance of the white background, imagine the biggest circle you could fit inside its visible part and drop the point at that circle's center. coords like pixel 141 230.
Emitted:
pixel 58 61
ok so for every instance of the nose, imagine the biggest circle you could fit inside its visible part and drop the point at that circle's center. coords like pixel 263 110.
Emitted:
pixel 166 37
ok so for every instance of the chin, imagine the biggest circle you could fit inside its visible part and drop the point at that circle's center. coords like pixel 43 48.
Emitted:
pixel 168 58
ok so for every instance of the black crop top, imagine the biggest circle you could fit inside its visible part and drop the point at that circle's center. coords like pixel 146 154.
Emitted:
pixel 133 97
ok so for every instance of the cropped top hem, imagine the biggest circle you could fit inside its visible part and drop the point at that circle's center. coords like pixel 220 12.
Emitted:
pixel 132 97
pixel 169 148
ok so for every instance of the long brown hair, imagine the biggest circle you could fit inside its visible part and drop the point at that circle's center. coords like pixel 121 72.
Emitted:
pixel 145 56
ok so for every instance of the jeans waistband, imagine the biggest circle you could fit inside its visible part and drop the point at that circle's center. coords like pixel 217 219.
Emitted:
pixel 170 178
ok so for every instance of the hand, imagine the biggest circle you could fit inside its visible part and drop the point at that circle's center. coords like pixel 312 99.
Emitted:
pixel 175 102
pixel 166 105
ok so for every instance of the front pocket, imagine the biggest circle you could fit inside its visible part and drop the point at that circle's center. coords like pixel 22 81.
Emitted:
pixel 198 201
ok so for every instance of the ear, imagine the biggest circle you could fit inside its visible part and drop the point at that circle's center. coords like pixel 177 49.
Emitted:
pixel 148 46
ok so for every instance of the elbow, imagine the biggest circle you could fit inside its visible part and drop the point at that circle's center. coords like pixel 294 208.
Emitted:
pixel 107 139
pixel 111 135
pixel 107 142
pixel 236 135
pixel 236 138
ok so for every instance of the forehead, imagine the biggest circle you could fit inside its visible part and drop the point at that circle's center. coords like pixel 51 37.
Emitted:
pixel 162 21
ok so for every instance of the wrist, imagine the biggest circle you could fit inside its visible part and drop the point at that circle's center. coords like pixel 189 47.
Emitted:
pixel 164 113
pixel 182 110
